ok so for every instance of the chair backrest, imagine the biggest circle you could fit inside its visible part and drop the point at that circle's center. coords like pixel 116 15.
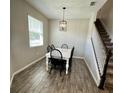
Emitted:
pixel 72 52
pixel 49 48
pixel 55 53
pixel 64 46
pixel 52 46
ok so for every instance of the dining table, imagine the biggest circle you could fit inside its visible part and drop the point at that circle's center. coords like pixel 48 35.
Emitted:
pixel 66 53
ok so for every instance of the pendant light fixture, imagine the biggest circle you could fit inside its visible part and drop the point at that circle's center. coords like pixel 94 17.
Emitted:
pixel 63 23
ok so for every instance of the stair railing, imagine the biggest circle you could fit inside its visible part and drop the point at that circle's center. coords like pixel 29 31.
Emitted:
pixel 108 55
pixel 103 76
pixel 98 67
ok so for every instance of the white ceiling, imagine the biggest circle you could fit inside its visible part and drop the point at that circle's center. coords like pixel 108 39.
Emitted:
pixel 75 9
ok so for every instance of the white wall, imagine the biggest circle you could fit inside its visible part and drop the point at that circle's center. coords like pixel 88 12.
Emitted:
pixel 89 53
pixel 106 16
pixel 75 35
pixel 99 49
pixel 21 53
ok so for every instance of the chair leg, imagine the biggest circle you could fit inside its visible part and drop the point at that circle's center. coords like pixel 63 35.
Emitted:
pixel 60 71
pixel 61 68
pixel 50 70
pixel 55 66
pixel 70 65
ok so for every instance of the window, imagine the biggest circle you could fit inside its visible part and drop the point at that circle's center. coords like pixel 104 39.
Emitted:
pixel 35 28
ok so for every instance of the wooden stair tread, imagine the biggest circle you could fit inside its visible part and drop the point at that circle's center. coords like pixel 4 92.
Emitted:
pixel 106 39
pixel 109 82
pixel 110 64
pixel 109 87
pixel 108 43
pixel 105 36
pixel 110 47
pixel 110 71
pixel 99 27
pixel 111 59
pixel 103 33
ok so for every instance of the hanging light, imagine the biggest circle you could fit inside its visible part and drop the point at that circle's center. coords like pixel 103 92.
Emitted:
pixel 63 23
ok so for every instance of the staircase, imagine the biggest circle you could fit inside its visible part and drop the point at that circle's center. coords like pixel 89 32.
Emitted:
pixel 107 78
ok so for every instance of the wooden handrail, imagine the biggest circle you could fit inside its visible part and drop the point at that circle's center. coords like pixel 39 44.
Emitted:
pixel 96 57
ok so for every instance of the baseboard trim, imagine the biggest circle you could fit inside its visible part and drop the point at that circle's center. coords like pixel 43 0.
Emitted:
pixel 97 83
pixel 20 70
pixel 78 57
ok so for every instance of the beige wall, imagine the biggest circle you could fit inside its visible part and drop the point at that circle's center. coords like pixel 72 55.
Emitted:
pixel 21 53
pixel 75 35
pixel 106 16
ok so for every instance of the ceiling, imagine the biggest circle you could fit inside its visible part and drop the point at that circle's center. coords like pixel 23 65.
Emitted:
pixel 75 9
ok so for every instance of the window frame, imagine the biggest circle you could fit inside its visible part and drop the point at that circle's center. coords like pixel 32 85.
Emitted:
pixel 37 31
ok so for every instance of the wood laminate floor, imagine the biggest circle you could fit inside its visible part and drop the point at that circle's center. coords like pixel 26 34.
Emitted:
pixel 35 79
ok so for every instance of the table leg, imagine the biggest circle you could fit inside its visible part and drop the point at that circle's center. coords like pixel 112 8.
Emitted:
pixel 46 63
pixel 67 65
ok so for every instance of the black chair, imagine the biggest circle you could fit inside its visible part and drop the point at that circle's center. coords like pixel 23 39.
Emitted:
pixel 49 48
pixel 57 60
pixel 64 46
pixel 70 60
pixel 52 46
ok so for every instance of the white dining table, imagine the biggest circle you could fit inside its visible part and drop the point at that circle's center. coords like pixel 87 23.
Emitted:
pixel 66 56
